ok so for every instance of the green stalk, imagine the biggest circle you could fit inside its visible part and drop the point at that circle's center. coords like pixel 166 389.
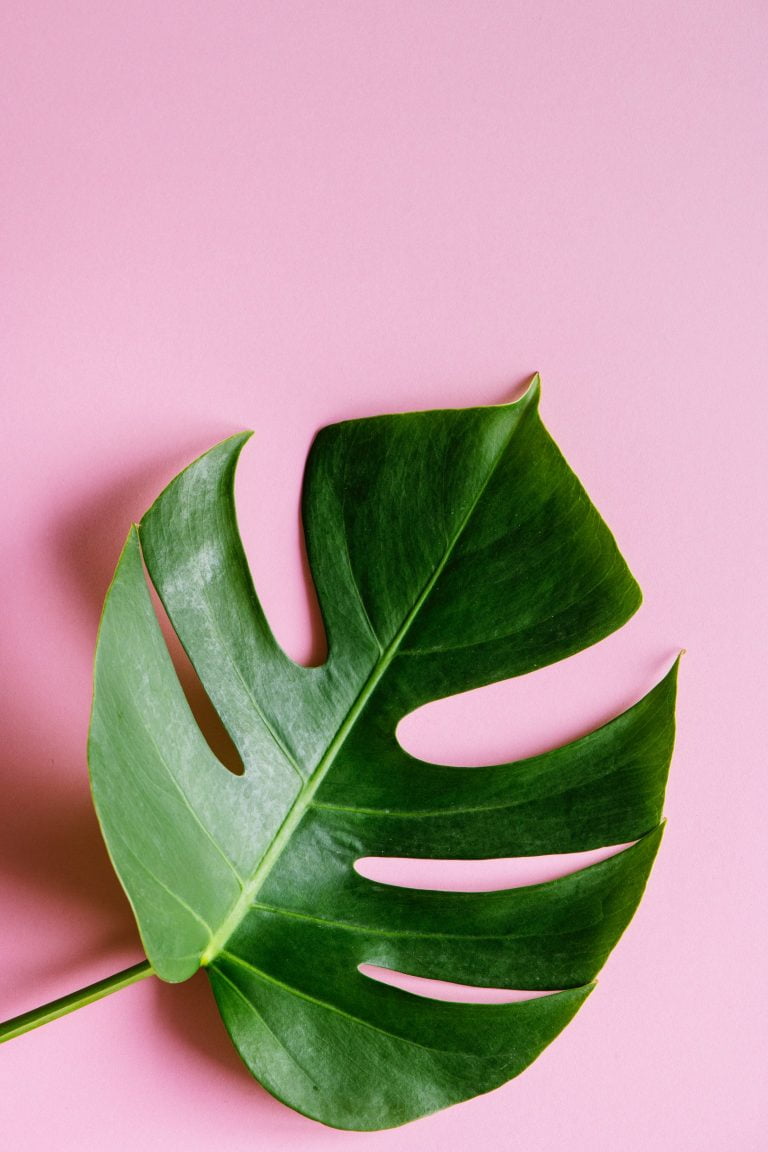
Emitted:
pixel 29 1020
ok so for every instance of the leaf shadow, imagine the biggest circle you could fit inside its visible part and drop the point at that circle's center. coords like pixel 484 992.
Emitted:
pixel 51 853
pixel 51 850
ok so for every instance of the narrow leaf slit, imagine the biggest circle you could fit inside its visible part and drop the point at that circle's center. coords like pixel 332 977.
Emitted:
pixel 446 989
pixel 206 717
pixel 479 875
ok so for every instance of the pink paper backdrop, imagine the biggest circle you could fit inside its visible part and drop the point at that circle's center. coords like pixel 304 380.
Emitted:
pixel 277 215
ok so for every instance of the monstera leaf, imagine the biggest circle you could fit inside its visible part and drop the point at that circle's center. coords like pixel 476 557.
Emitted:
pixel 449 549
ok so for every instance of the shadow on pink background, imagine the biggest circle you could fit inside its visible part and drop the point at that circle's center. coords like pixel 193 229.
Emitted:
pixel 278 215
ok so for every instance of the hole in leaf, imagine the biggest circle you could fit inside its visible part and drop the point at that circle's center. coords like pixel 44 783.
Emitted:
pixel 446 990
pixel 208 720
pixel 269 521
pixel 478 875
pixel 531 714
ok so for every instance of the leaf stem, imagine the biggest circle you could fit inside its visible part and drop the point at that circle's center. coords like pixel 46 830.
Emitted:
pixel 29 1020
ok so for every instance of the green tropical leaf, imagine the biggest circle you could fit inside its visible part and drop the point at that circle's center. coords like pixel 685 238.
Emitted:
pixel 449 549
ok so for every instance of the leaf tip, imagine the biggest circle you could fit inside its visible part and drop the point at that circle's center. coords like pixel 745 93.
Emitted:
pixel 670 675
pixel 529 397
pixel 532 394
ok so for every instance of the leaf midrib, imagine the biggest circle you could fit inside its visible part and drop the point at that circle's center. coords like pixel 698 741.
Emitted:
pixel 304 798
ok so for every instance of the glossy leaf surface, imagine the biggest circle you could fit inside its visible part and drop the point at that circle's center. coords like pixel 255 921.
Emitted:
pixel 449 549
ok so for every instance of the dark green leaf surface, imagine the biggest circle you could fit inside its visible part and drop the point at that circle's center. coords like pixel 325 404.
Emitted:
pixel 449 549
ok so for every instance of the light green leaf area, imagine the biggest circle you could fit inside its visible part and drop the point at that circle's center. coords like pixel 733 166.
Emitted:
pixel 449 549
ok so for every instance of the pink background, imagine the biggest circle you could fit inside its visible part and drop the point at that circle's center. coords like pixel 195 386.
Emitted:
pixel 278 215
